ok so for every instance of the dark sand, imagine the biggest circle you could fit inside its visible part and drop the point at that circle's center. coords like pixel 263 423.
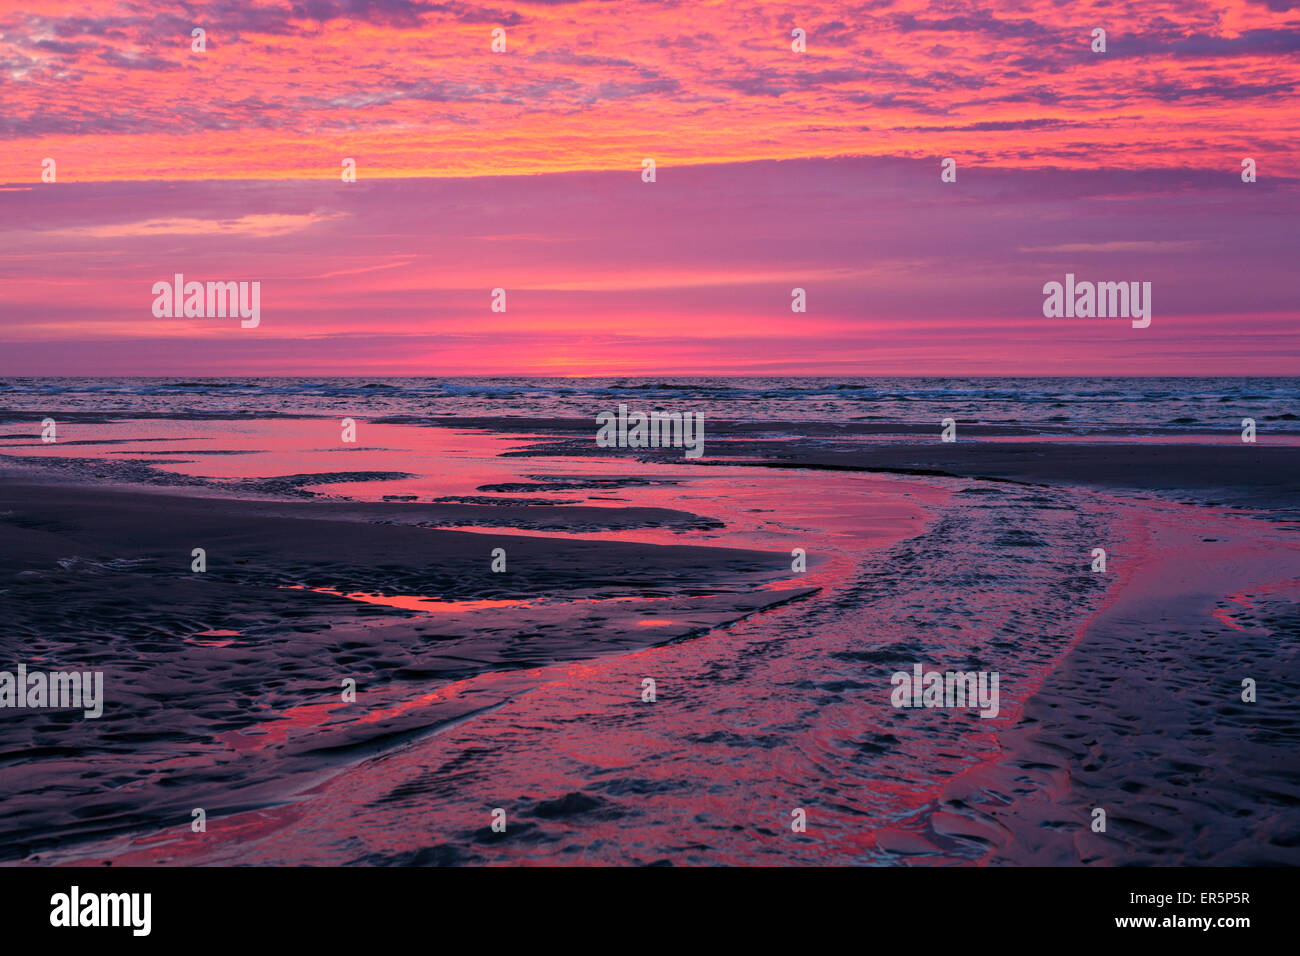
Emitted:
pixel 97 578
pixel 1220 470
pixel 1142 717
pixel 1145 718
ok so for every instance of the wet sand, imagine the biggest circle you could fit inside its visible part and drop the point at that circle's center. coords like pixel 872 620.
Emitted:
pixel 100 579
pixel 1203 466
pixel 1121 690
pixel 1145 718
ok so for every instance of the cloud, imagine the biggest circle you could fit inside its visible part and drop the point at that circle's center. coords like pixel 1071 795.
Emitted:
pixel 1157 245
pixel 253 224
pixel 412 87
pixel 1262 42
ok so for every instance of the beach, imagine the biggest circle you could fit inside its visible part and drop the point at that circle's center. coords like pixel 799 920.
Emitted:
pixel 498 589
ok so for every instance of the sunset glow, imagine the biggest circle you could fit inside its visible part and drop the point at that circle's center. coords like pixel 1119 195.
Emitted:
pixel 522 170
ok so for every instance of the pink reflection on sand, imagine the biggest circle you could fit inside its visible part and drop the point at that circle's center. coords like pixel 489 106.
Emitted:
pixel 559 716
pixel 1224 614
pixel 431 605
pixel 452 461
pixel 213 638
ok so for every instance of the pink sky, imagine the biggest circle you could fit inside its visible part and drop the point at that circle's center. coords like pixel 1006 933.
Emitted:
pixel 521 170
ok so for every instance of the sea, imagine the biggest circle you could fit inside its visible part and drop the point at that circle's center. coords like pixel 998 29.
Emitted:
pixel 1059 404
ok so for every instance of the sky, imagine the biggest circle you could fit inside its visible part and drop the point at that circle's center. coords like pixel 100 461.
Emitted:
pixel 523 170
